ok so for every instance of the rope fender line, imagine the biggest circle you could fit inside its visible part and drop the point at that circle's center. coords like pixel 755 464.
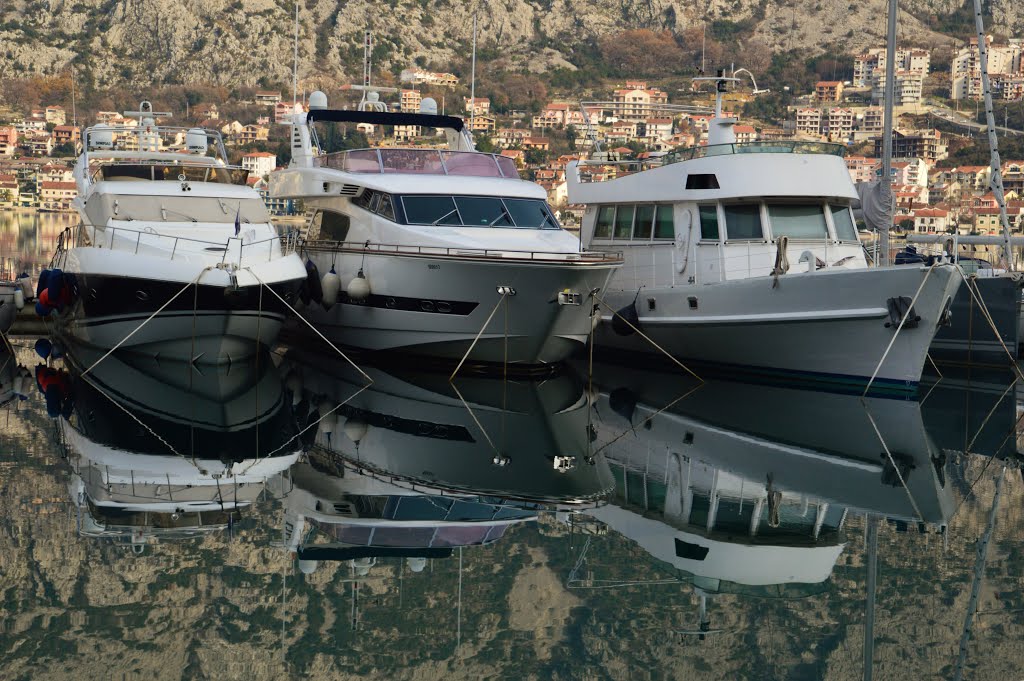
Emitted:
pixel 149 319
pixel 647 338
pixel 313 328
pixel 503 295
pixel 899 328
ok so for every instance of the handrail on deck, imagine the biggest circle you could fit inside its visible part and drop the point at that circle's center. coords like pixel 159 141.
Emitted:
pixel 289 240
pixel 690 153
pixel 450 251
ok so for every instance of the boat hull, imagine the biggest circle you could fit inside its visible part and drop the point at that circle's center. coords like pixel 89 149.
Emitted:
pixel 830 327
pixel 215 321
pixel 436 306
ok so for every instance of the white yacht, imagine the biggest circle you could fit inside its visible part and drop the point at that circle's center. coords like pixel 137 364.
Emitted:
pixel 161 209
pixel 161 451
pixel 523 440
pixel 746 256
pixel 424 243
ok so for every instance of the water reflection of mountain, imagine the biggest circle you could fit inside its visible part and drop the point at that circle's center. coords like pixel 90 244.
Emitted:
pixel 527 441
pixel 160 449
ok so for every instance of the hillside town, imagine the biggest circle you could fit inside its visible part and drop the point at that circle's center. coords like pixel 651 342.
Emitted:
pixel 634 124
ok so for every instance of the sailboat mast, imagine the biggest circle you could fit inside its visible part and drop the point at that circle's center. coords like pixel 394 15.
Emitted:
pixel 887 128
pixel 995 164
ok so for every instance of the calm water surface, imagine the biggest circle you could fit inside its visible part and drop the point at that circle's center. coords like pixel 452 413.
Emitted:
pixel 283 519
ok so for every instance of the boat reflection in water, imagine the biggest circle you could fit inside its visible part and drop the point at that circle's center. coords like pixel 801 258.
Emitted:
pixel 747 488
pixel 521 440
pixel 163 451
pixel 407 469
pixel 335 512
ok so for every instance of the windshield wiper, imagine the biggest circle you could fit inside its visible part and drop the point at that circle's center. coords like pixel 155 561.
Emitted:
pixel 445 216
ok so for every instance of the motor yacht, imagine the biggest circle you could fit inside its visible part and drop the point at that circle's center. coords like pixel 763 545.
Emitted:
pixel 160 451
pixel 418 247
pixel 746 256
pixel 170 230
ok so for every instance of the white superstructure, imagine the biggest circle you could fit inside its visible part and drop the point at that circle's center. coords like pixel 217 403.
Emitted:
pixel 747 255
pixel 426 242
pixel 161 209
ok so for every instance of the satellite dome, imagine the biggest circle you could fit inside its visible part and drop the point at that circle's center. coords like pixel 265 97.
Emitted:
pixel 308 567
pixel 372 96
pixel 428 105
pixel 416 564
pixel 317 100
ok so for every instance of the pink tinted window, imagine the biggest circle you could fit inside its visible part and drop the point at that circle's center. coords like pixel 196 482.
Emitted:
pixel 470 163
pixel 362 161
pixel 508 166
pixel 412 161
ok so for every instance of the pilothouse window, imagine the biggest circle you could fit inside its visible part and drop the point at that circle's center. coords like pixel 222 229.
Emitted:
pixel 801 221
pixel 483 211
pixel 664 225
pixel 708 222
pixel 605 217
pixel 624 222
pixel 743 221
pixel 846 230
pixel 644 221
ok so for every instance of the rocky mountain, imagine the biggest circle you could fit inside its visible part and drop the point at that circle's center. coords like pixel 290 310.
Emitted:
pixel 250 42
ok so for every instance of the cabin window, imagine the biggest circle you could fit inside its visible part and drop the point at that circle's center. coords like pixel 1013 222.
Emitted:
pixel 743 221
pixel 644 221
pixel 374 202
pixel 431 210
pixel 386 207
pixel 605 216
pixel 530 213
pixel 702 181
pixel 364 199
pixel 708 222
pixel 329 225
pixel 846 230
pixel 624 222
pixel 801 221
pixel 664 226
pixel 481 211
pixel 477 211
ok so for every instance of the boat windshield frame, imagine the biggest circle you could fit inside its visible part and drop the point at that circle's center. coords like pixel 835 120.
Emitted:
pixel 425 161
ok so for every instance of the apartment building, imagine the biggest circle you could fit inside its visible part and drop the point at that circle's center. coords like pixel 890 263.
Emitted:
pixel 908 89
pixel 1004 61
pixel 828 90
pixel 409 101
pixel 911 60
pixel 636 102
pixel 923 144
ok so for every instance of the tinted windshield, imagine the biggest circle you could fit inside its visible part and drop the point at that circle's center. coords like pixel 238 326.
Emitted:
pixel 478 211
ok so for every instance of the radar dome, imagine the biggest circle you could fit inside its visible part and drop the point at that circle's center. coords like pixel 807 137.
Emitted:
pixel 196 141
pixel 308 567
pixel 101 137
pixel 428 105
pixel 373 96
pixel 317 100
pixel 416 564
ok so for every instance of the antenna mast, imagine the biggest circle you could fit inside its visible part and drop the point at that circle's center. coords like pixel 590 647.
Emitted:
pixel 367 56
pixel 295 67
pixel 472 82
